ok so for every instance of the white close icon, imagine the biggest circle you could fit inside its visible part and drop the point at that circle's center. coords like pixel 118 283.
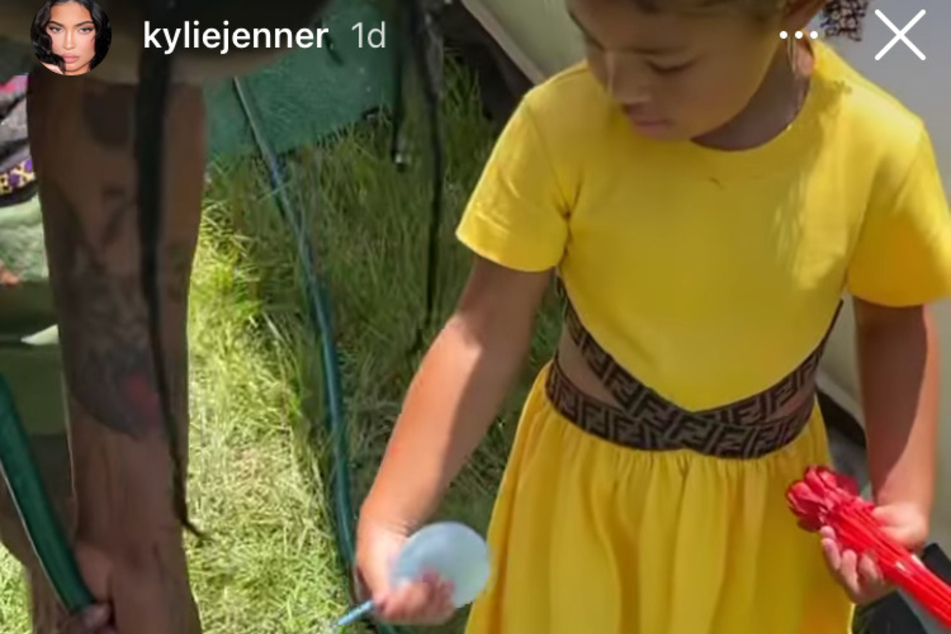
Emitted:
pixel 900 35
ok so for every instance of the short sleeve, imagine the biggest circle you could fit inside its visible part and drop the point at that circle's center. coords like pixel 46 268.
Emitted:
pixel 903 254
pixel 517 215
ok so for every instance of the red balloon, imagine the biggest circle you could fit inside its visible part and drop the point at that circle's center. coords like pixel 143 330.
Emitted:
pixel 825 498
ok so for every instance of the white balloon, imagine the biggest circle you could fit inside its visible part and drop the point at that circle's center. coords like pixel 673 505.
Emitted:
pixel 453 551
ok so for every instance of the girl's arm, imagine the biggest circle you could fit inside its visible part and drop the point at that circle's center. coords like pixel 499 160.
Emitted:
pixel 898 354
pixel 456 393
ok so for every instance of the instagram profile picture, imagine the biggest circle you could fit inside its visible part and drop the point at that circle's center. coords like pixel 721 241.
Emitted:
pixel 70 37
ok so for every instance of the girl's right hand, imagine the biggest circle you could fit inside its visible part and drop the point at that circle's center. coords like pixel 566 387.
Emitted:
pixel 426 602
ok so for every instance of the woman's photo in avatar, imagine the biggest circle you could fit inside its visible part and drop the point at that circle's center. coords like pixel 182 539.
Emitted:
pixel 71 37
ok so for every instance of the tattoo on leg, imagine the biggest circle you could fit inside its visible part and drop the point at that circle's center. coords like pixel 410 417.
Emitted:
pixel 110 126
pixel 117 203
pixel 105 333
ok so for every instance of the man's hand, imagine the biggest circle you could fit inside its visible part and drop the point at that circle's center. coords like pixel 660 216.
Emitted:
pixel 150 596
pixel 96 619
pixel 858 573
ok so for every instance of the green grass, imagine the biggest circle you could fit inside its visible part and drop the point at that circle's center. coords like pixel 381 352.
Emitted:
pixel 260 470
pixel 13 608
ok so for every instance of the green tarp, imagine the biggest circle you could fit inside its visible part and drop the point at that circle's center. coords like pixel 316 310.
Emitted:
pixel 308 94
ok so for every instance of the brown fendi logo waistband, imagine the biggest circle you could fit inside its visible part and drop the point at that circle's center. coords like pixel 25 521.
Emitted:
pixel 749 428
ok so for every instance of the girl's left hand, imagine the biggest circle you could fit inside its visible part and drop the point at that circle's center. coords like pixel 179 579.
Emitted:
pixel 860 576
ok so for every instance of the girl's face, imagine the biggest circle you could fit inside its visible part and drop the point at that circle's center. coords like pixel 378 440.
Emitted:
pixel 74 36
pixel 677 76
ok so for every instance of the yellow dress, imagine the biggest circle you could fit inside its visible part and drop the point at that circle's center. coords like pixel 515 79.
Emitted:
pixel 708 275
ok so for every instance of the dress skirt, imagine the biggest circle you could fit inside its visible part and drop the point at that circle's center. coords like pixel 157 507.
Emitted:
pixel 591 536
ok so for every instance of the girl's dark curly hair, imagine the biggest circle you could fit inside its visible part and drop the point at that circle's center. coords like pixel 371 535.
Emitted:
pixel 844 17
pixel 43 44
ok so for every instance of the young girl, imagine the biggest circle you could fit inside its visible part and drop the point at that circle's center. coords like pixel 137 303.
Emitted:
pixel 705 192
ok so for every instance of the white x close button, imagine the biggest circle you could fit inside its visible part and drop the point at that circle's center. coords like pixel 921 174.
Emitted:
pixel 900 35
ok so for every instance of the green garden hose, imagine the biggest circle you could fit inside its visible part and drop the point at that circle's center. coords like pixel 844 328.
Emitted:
pixel 42 526
pixel 319 318
pixel 415 26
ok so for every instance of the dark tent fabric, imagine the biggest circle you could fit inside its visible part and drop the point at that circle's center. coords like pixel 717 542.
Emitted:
pixel 310 92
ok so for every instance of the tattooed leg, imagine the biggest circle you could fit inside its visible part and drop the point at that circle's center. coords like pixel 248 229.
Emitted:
pixel 81 133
